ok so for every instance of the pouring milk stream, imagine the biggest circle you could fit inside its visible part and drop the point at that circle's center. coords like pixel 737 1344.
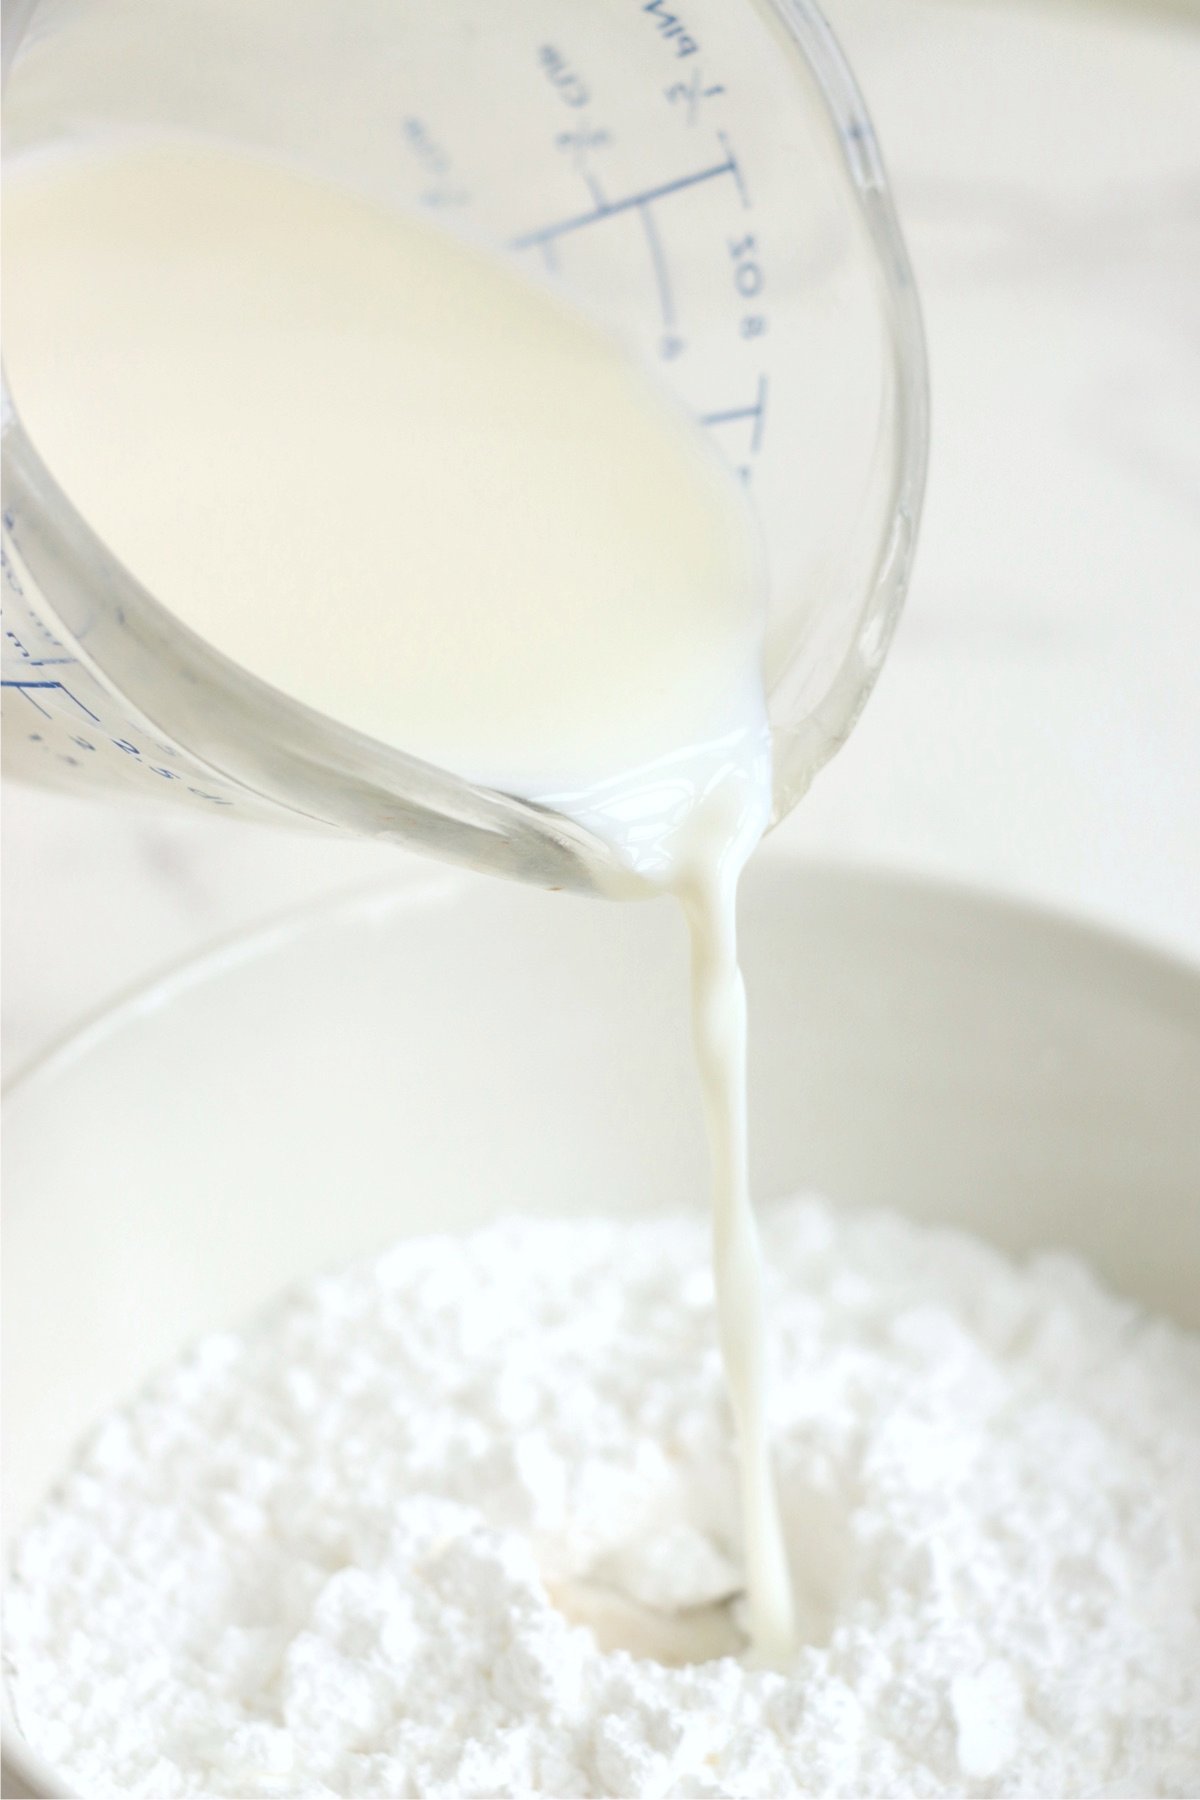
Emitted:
pixel 545 580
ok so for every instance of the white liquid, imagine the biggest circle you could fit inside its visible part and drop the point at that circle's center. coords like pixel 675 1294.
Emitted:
pixel 428 500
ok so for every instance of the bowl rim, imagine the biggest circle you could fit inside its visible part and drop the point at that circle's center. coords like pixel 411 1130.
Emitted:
pixel 420 888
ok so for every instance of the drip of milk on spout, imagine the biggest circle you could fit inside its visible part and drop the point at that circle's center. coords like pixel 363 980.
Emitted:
pixel 427 499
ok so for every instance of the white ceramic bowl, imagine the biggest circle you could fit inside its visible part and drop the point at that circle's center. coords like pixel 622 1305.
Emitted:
pixel 433 1055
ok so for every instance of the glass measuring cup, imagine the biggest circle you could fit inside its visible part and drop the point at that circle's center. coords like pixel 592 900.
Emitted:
pixel 705 180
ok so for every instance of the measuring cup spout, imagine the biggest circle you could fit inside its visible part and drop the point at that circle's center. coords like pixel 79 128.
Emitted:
pixel 629 157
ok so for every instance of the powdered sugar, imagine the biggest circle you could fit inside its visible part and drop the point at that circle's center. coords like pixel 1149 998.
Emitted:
pixel 336 1554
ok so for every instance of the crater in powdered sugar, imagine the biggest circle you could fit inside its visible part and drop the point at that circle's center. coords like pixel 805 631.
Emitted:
pixel 318 1557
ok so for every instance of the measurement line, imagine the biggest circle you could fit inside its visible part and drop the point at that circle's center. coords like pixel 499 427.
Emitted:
pixel 757 412
pixel 662 280
pixel 24 687
pixel 594 188
pixel 608 211
pixel 735 169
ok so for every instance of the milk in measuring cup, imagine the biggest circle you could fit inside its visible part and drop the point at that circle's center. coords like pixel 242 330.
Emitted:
pixel 427 499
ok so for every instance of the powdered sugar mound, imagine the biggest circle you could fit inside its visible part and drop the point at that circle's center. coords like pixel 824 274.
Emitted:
pixel 336 1554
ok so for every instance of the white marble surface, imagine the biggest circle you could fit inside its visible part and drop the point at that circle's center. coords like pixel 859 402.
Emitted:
pixel 1037 727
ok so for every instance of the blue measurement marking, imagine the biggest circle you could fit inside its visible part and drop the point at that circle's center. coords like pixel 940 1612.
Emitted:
pixel 735 169
pixel 593 187
pixel 545 233
pixel 662 280
pixel 692 93
pixel 757 412
pixel 36 626
pixel 24 687
pixel 35 662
